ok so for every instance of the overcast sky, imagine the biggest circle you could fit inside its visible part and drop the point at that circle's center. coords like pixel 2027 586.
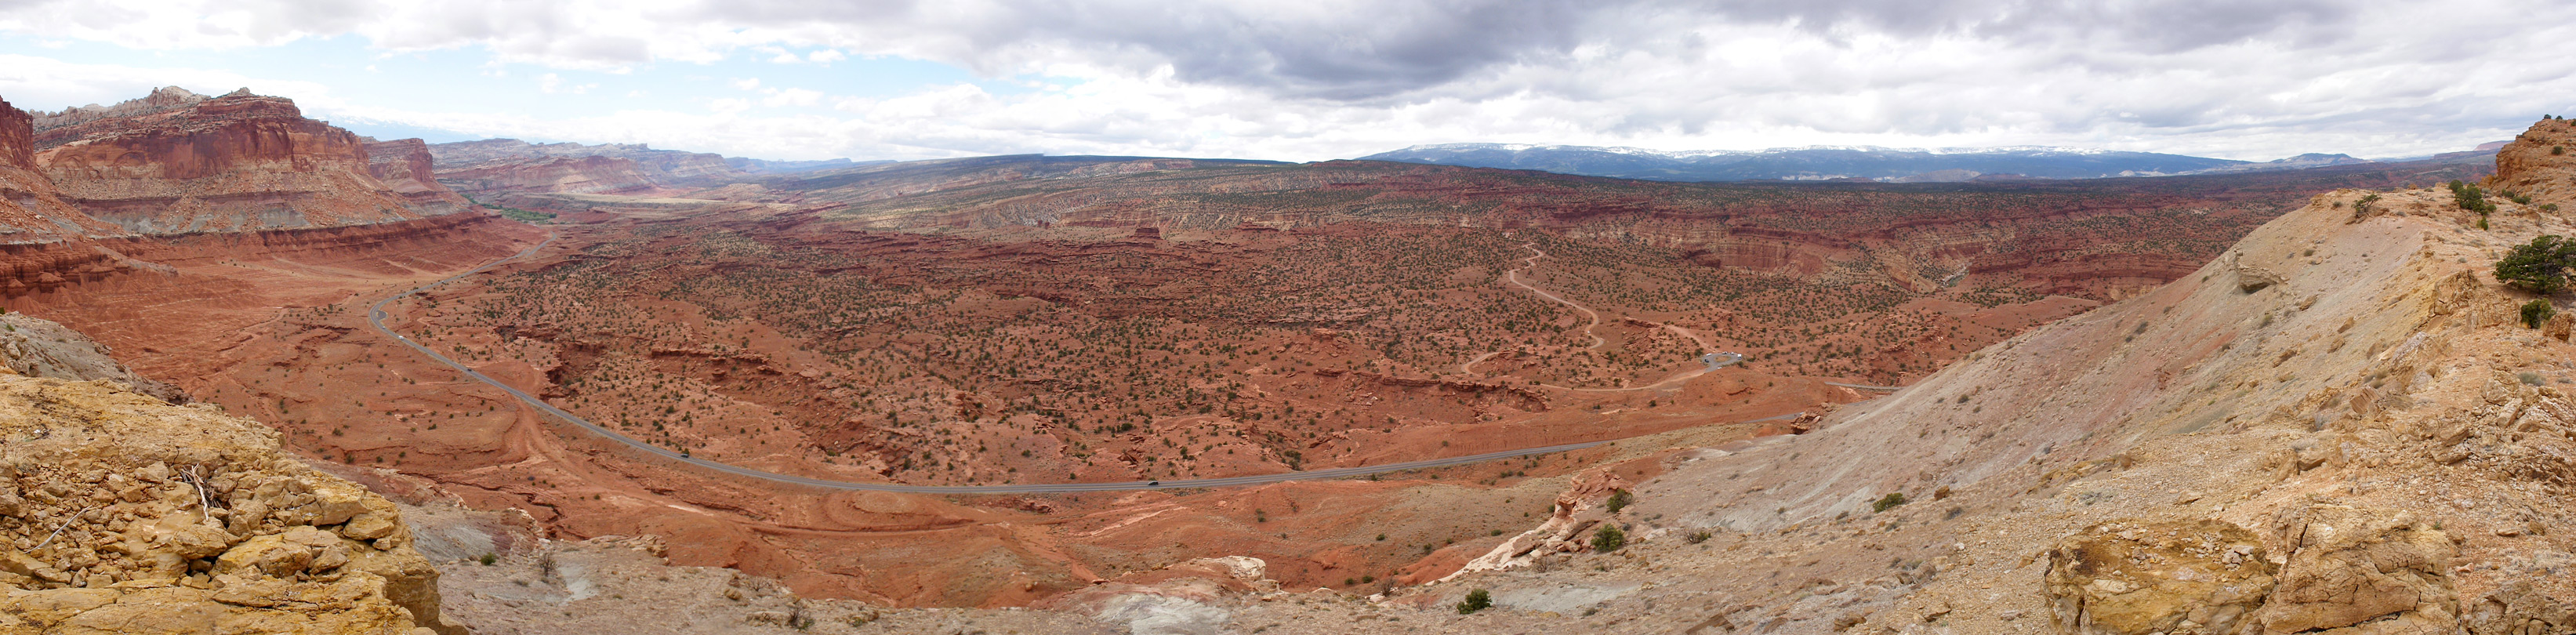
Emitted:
pixel 1322 79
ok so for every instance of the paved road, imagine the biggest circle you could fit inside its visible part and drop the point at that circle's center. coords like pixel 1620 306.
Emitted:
pixel 1865 386
pixel 376 318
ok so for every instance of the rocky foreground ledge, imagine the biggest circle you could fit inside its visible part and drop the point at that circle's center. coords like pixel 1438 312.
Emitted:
pixel 121 513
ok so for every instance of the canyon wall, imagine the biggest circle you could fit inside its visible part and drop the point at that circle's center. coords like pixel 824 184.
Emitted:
pixel 552 175
pixel 32 212
pixel 660 167
pixel 167 165
pixel 404 166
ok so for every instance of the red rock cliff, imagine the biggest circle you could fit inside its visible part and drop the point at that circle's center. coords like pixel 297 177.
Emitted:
pixel 239 162
pixel 404 166
pixel 565 175
pixel 31 211
pixel 660 166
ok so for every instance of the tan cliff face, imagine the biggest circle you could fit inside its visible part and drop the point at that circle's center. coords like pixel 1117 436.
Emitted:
pixel 126 514
pixel 233 163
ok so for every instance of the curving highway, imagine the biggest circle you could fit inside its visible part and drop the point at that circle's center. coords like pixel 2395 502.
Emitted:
pixel 376 318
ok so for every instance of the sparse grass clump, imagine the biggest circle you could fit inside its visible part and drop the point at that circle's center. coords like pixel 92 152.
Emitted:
pixel 1891 500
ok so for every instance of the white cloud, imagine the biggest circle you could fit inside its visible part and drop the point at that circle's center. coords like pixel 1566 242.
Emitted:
pixel 551 83
pixel 30 80
pixel 2253 79
pixel 791 97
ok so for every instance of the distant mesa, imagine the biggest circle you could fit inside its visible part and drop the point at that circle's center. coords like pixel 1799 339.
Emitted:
pixel 663 166
pixel 764 166
pixel 512 165
pixel 1953 175
pixel 2301 162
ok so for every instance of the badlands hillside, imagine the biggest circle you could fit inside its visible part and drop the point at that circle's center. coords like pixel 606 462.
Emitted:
pixel 2341 425
pixel 2281 402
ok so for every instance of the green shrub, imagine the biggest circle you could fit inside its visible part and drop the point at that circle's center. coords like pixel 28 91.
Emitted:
pixel 2539 266
pixel 487 559
pixel 2536 312
pixel 1892 499
pixel 1619 500
pixel 1609 538
pixel 2469 197
pixel 1477 600
pixel 1700 536
pixel 2557 150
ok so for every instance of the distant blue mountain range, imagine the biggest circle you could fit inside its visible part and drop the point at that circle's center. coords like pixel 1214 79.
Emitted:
pixel 1818 163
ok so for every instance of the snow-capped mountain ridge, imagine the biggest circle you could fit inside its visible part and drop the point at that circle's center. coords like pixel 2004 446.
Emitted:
pixel 1828 162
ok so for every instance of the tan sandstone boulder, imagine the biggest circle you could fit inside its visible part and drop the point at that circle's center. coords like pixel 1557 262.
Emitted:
pixel 130 515
pixel 2363 570
pixel 2123 578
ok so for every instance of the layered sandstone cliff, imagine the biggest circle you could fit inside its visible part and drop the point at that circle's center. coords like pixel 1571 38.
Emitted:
pixel 69 120
pixel 552 175
pixel 661 167
pixel 404 165
pixel 167 164
pixel 31 210
pixel 122 514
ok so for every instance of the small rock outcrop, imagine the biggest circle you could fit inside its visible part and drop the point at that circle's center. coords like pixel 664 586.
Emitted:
pixel 2375 571
pixel 2177 577
pixel 121 513
pixel 2350 566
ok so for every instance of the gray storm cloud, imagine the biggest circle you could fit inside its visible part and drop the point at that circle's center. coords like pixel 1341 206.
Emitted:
pixel 1322 78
